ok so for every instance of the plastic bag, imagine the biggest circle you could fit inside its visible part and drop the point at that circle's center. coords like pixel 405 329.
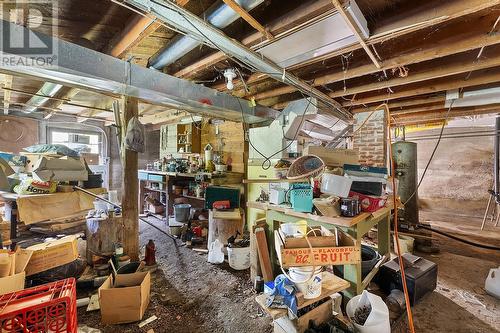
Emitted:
pixel 215 254
pixel 52 149
pixel 134 139
pixel 31 186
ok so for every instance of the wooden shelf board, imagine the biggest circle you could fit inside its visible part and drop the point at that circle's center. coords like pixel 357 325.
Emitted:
pixel 273 180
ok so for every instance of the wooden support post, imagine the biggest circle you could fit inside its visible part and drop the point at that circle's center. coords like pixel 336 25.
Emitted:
pixel 130 187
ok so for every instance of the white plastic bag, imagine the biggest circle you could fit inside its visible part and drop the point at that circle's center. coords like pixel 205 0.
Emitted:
pixel 378 319
pixel 134 139
pixel 492 283
pixel 215 254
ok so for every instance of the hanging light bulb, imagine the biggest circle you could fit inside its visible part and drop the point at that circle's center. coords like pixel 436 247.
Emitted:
pixel 230 74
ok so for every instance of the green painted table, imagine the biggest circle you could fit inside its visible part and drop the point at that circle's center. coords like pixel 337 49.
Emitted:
pixel 356 227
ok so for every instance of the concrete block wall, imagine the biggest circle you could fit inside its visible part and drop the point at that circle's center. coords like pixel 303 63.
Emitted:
pixel 370 139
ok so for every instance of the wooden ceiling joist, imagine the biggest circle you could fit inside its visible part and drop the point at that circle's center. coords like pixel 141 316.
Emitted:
pixel 404 103
pixel 427 17
pixel 437 50
pixel 248 18
pixel 424 75
pixel 355 29
pixel 438 115
pixel 478 78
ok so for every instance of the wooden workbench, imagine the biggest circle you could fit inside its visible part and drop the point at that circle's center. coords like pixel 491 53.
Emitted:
pixel 356 227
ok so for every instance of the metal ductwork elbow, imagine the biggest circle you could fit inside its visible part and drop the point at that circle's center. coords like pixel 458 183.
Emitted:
pixel 219 15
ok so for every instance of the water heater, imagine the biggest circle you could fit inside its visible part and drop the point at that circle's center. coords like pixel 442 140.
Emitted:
pixel 404 154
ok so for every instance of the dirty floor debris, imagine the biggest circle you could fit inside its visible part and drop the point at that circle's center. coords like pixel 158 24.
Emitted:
pixel 191 295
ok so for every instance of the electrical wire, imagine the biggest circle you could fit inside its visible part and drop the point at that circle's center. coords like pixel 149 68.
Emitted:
pixel 395 220
pixel 459 239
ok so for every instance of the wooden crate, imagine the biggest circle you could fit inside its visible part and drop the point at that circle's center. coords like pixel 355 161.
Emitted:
pixel 334 247
pixel 320 314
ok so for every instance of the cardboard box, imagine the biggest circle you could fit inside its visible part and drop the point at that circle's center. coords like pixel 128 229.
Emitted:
pixel 321 314
pixel 15 281
pixel 156 209
pixel 328 248
pixel 125 298
pixel 52 254
pixel 91 159
pixel 333 157
pixel 60 169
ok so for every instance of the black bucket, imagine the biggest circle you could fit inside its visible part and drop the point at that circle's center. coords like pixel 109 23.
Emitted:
pixel 369 258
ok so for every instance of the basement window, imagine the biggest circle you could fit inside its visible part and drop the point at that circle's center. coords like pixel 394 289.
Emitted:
pixel 81 141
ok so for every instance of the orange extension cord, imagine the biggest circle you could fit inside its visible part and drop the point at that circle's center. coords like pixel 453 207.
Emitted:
pixel 400 258
pixel 396 234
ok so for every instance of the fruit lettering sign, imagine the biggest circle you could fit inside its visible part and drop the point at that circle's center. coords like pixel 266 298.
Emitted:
pixel 321 256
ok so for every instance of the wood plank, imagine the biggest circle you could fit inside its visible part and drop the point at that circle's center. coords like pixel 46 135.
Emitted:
pixel 130 187
pixel 263 250
pixel 355 29
pixel 331 284
pixel 443 84
pixel 248 18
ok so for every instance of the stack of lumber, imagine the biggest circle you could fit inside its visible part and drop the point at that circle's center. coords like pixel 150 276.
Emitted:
pixel 73 223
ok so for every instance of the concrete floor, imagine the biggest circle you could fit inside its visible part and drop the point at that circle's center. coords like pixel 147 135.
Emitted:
pixel 191 295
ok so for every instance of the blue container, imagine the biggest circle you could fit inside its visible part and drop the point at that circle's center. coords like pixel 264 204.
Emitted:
pixel 301 198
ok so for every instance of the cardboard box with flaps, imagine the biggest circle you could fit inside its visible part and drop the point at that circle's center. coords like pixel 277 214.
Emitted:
pixel 124 298
pixel 60 169
pixel 15 277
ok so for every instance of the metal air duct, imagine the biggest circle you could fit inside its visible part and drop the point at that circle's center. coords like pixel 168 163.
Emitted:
pixel 48 89
pixel 219 15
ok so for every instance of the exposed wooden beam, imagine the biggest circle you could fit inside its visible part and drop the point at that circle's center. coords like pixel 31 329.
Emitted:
pixel 429 73
pixel 136 30
pixel 443 84
pixel 355 29
pixel 130 187
pixel 438 50
pixel 437 115
pixel 423 17
pixel 404 103
pixel 248 18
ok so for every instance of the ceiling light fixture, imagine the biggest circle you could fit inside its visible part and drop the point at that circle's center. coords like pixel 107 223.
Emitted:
pixel 230 74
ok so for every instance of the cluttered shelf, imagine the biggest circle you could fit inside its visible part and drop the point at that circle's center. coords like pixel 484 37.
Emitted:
pixel 340 221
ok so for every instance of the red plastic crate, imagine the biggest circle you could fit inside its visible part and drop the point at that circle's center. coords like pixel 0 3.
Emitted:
pixel 50 308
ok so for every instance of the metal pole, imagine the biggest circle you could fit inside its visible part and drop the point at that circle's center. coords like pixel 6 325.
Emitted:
pixel 78 188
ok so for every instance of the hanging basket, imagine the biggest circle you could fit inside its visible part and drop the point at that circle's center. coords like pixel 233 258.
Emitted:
pixel 305 167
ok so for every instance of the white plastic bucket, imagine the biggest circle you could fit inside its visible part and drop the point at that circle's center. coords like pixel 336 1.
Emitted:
pixel 378 319
pixel 309 286
pixel 239 257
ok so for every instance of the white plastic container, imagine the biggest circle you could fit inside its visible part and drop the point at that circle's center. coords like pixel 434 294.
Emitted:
pixel 378 319
pixel 239 257
pixel 215 254
pixel 336 185
pixel 492 284
pixel 309 286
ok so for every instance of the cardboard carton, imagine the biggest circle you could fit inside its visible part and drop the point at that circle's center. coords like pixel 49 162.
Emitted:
pixel 15 281
pixel 125 298
pixel 333 157
pixel 60 169
pixel 52 254
pixel 328 247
